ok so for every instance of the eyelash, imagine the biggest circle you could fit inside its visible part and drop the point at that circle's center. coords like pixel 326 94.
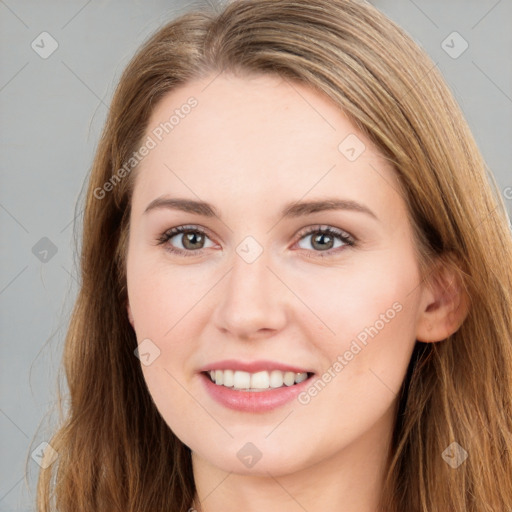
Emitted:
pixel 347 239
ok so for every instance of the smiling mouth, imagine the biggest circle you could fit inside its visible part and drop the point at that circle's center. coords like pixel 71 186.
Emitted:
pixel 259 381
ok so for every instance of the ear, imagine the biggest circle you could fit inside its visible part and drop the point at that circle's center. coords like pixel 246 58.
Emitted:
pixel 444 305
pixel 129 310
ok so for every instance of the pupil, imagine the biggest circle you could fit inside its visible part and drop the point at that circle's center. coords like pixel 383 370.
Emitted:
pixel 321 236
pixel 189 237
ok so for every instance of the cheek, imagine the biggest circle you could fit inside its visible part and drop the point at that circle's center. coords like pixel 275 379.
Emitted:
pixel 163 306
pixel 368 291
pixel 166 303
pixel 162 315
pixel 367 315
pixel 173 400
pixel 365 362
pixel 160 295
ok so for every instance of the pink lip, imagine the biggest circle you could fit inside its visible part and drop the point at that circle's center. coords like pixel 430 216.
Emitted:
pixel 252 367
pixel 252 401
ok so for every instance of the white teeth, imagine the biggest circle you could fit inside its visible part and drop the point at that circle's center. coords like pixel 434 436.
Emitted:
pixel 241 380
pixel 259 381
pixel 229 378
pixel 289 378
pixel 276 379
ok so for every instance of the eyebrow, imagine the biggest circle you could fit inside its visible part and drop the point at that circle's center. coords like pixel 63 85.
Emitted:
pixel 291 210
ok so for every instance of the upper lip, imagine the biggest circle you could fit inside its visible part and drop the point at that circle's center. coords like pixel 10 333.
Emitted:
pixel 252 366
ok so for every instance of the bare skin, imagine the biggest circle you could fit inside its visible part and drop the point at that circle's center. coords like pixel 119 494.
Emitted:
pixel 251 146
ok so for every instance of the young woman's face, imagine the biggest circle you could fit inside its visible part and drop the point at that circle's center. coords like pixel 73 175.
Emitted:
pixel 257 289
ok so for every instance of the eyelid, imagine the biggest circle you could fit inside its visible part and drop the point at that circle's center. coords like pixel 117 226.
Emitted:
pixel 308 230
pixel 178 230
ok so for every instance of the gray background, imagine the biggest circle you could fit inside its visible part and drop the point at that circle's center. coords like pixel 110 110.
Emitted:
pixel 52 112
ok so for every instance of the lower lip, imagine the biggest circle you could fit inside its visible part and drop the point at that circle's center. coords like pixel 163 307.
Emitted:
pixel 253 401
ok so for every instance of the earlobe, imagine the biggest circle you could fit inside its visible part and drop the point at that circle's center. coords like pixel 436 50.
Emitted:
pixel 444 308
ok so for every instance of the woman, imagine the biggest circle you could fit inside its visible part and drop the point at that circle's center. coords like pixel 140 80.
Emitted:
pixel 260 369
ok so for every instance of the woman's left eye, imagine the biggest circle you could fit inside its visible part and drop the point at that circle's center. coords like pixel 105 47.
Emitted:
pixel 191 236
pixel 322 236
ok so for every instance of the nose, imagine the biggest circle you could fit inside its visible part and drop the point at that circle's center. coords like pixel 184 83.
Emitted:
pixel 254 301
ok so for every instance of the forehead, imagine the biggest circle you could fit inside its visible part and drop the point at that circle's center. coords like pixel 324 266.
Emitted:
pixel 271 117
pixel 254 138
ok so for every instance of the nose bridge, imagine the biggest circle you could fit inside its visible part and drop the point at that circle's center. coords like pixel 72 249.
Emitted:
pixel 249 271
pixel 251 300
pixel 249 282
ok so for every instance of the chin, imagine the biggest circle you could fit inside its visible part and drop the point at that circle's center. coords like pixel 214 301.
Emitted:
pixel 247 458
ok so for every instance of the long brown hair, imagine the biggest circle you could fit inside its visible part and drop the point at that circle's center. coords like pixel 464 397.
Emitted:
pixel 115 452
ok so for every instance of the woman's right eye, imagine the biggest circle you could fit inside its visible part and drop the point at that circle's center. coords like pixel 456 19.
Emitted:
pixel 189 235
